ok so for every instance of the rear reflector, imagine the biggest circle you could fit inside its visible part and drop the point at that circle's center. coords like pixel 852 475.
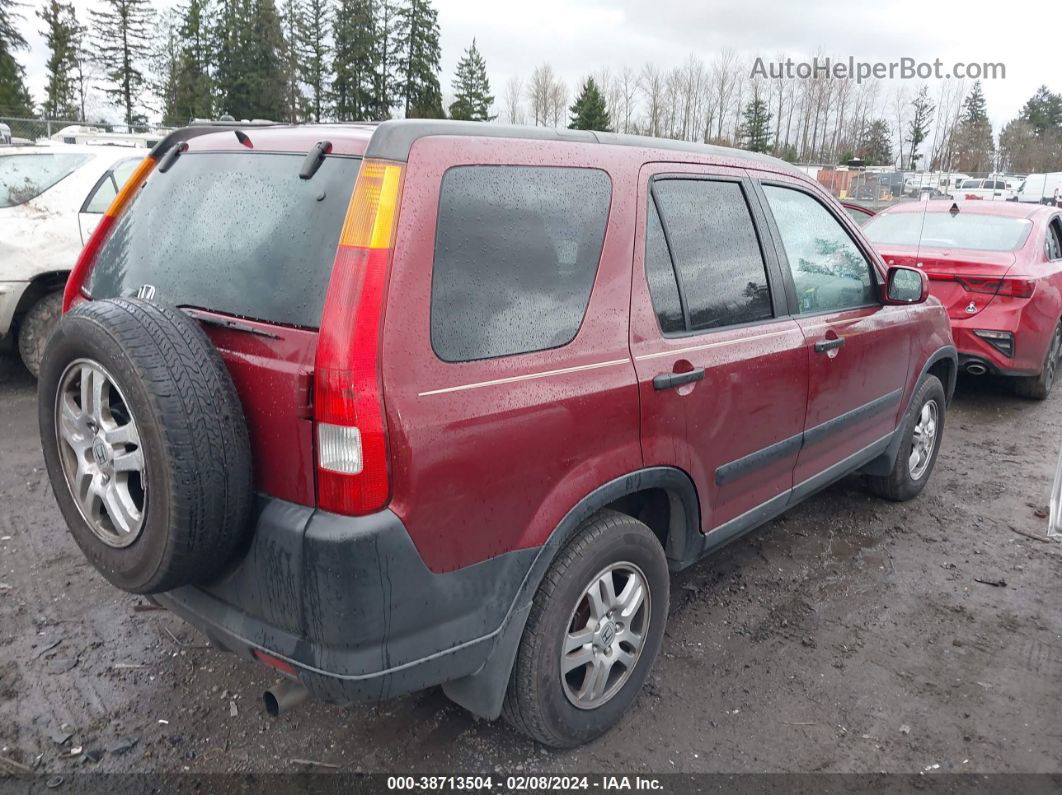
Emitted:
pixel 352 459
pixel 274 662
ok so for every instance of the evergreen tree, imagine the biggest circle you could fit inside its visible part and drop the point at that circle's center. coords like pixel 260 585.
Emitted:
pixel 228 39
pixel 918 128
pixel 418 51
pixel 756 126
pixel 60 31
pixel 1043 111
pixel 972 141
pixel 294 22
pixel 122 45
pixel 473 99
pixel 315 54
pixel 15 99
pixel 193 93
pixel 166 64
pixel 250 74
pixel 875 148
pixel 384 74
pixel 355 62
pixel 589 111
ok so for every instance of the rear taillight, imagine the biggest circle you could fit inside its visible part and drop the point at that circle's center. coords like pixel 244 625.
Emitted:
pixel 1011 288
pixel 352 461
pixel 83 267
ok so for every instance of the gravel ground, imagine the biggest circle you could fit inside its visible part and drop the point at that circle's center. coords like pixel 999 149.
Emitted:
pixel 850 635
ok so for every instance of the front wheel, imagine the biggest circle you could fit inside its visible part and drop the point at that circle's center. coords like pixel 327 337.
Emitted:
pixel 922 431
pixel 1038 387
pixel 594 630
pixel 35 329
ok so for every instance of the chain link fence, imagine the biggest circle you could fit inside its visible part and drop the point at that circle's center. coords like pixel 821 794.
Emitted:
pixel 26 131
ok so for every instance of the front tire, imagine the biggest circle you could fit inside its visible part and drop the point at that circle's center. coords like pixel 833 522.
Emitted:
pixel 922 432
pixel 1038 387
pixel 35 328
pixel 593 633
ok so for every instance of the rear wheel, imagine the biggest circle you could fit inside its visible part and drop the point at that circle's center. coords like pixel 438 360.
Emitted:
pixel 595 628
pixel 36 326
pixel 1038 387
pixel 922 432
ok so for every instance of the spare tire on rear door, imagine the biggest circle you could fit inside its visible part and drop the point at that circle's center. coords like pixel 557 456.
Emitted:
pixel 145 443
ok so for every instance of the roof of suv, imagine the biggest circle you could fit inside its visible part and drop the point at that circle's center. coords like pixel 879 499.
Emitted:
pixel 392 140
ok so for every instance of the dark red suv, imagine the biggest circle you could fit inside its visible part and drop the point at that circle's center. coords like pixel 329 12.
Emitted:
pixel 388 407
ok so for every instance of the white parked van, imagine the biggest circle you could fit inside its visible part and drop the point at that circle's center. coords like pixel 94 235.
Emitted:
pixel 1041 188
pixel 990 189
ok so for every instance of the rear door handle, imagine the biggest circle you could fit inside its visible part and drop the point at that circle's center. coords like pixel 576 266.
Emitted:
pixel 828 345
pixel 671 380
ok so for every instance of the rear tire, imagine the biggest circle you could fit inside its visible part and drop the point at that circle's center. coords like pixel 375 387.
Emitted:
pixel 36 326
pixel 922 432
pixel 145 444
pixel 562 692
pixel 1038 387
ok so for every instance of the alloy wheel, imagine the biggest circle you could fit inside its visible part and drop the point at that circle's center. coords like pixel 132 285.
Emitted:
pixel 605 635
pixel 925 440
pixel 99 447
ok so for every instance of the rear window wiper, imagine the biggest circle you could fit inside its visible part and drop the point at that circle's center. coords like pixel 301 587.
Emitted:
pixel 232 325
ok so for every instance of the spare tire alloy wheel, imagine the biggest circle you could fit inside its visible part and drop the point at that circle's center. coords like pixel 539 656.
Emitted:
pixel 99 446
pixel 606 635
pixel 145 443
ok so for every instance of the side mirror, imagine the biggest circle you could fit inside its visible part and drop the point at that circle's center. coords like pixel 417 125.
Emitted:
pixel 906 286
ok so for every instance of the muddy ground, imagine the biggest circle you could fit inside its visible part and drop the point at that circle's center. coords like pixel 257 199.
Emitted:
pixel 850 635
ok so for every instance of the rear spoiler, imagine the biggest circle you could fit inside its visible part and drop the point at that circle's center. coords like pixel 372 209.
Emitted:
pixel 198 128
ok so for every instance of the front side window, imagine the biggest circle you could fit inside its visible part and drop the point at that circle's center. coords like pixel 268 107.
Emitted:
pixel 829 271
pixel 715 253
pixel 25 177
pixel 516 254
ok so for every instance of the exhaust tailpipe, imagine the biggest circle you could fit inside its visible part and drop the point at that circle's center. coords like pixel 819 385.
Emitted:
pixel 976 368
pixel 284 696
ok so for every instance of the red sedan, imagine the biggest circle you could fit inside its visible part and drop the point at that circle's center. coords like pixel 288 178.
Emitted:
pixel 997 268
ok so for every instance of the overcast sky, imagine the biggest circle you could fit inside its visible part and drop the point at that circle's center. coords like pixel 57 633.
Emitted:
pixel 581 36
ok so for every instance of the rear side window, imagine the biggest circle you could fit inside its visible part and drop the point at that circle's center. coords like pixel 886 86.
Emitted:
pixel 107 188
pixel 25 177
pixel 716 254
pixel 238 233
pixel 516 253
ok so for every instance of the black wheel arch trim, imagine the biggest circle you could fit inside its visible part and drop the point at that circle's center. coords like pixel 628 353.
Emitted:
pixel 483 692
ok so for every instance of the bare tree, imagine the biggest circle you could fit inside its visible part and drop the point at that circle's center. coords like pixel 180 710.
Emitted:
pixel 539 94
pixel 514 91
pixel 725 73
pixel 628 92
pixel 558 103
pixel 651 85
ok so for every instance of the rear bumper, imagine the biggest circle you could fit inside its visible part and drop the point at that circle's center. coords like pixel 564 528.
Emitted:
pixel 1029 348
pixel 351 605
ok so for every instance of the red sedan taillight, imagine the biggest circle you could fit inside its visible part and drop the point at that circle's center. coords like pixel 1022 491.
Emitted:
pixel 352 460
pixel 1011 288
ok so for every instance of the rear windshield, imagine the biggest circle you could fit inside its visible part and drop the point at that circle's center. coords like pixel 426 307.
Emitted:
pixel 233 232
pixel 943 230
pixel 25 177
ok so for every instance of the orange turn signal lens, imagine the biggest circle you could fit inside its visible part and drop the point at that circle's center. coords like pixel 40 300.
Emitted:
pixel 373 209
